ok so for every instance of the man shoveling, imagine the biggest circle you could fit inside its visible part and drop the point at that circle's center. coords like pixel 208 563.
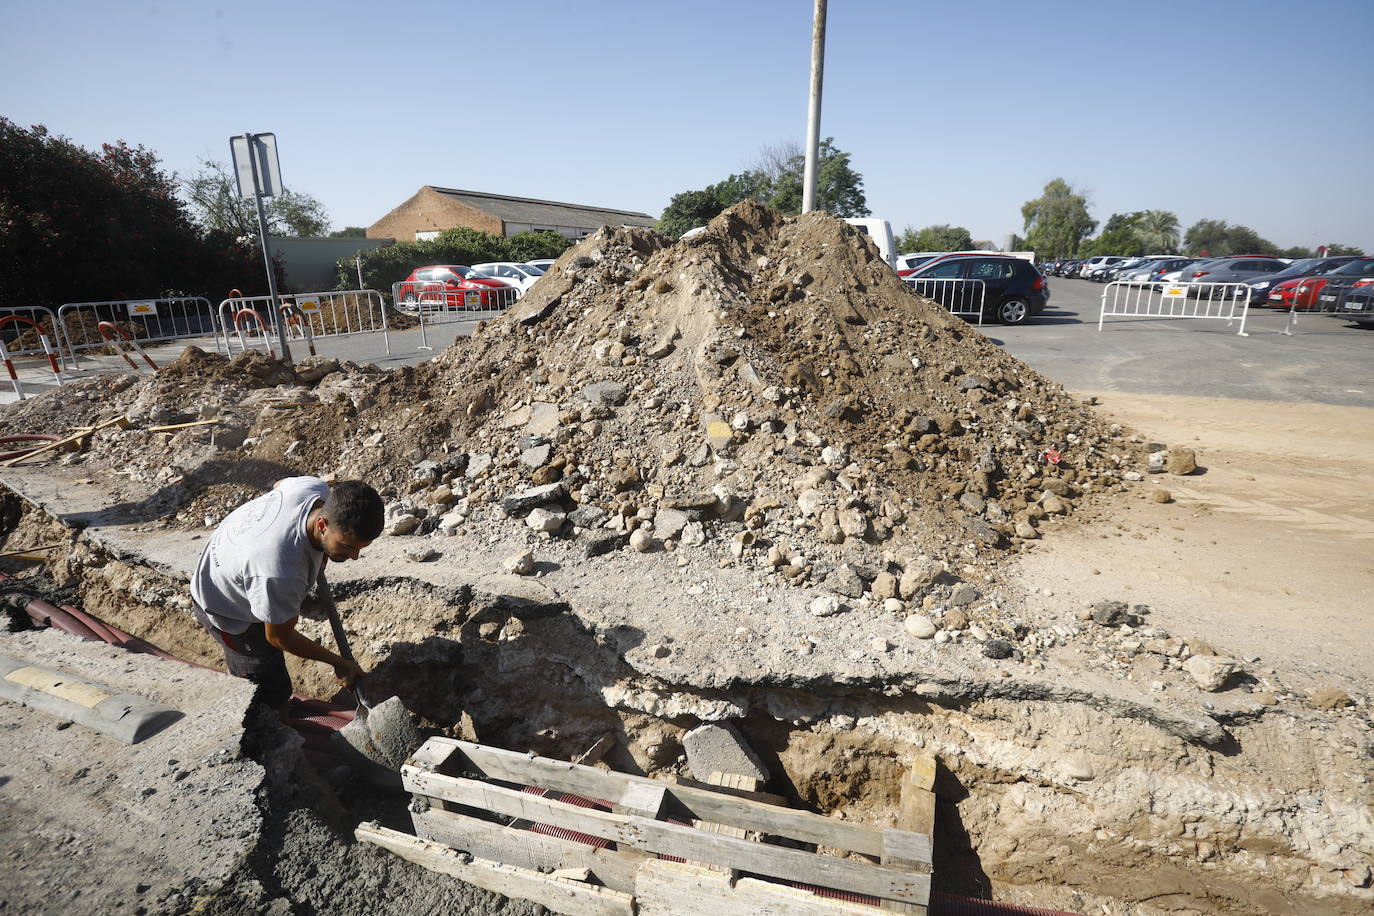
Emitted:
pixel 261 562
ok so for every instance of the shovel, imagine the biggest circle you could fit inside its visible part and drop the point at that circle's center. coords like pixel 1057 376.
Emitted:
pixel 327 599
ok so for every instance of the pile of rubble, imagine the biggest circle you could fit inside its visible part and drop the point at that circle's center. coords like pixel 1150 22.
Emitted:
pixel 769 383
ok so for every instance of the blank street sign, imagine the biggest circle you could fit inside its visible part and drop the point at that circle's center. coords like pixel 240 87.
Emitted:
pixel 269 170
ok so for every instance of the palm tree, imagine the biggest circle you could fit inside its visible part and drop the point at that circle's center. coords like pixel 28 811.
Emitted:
pixel 1158 231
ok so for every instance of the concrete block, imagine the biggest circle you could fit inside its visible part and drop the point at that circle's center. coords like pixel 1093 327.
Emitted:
pixel 720 748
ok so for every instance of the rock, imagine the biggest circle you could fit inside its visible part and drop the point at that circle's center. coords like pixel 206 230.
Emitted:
pixel 1211 672
pixel 884 586
pixel 963 594
pixel 1053 505
pixel 810 502
pixel 1078 767
pixel 1025 530
pixel 920 627
pixel 955 620
pixel 880 645
pixel 587 516
pixel 1181 461
pixel 541 519
pixel 609 394
pixel 1329 698
pixel 834 457
pixel 973 502
pixel 718 433
pixel 853 523
pixel 515 503
pixel 605 542
pixel 998 648
pixel 825 606
pixel 403 524
pixel 450 522
pixel 1162 496
pixel 536 456
pixel 669 523
pixel 970 382
pixel 521 563
pixel 1133 476
pixel 641 540
pixel 693 534
pixel 1157 462
pixel 845 581
pixel 719 748
pixel 1111 613
pixel 421 553
pixel 477 465
pixel 229 437
pixel 918 578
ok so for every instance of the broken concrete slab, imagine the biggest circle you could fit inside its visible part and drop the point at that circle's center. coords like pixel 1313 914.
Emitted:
pixel 718 747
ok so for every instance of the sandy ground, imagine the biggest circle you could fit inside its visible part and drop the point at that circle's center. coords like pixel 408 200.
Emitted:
pixel 1267 551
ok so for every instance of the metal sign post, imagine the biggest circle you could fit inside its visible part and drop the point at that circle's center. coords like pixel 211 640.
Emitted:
pixel 255 158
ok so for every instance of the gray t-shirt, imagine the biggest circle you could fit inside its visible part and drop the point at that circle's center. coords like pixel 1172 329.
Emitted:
pixel 260 563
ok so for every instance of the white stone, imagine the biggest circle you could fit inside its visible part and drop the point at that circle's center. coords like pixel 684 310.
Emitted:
pixel 893 605
pixel 1210 671
pixel 834 457
pixel 521 563
pixel 825 606
pixel 641 540
pixel 920 627
pixel 541 519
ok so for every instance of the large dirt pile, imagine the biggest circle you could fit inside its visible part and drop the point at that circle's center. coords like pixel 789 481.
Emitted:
pixel 769 381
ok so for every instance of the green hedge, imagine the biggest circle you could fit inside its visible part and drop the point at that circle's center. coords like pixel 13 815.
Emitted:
pixel 383 267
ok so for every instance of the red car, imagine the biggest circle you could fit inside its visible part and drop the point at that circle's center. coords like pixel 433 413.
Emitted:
pixel 1305 288
pixel 451 285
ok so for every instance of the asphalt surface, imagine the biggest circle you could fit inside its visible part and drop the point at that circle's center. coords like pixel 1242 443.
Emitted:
pixel 1325 360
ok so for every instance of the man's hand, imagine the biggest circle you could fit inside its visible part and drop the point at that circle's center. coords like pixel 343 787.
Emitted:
pixel 347 671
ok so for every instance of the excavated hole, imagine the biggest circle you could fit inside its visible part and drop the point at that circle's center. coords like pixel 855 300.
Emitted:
pixel 1044 803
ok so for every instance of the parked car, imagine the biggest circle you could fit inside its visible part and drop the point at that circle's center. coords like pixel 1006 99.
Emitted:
pixel 934 257
pixel 1013 290
pixel 457 283
pixel 1357 304
pixel 1240 269
pixel 913 260
pixel 542 263
pixel 1307 267
pixel 1342 279
pixel 1091 264
pixel 519 275
pixel 1169 266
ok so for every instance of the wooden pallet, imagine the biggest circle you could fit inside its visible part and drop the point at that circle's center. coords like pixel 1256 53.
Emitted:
pixel 466 796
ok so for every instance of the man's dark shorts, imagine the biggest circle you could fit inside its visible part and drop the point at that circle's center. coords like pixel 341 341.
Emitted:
pixel 249 655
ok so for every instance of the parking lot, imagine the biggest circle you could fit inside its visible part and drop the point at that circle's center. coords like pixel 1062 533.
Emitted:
pixel 1326 360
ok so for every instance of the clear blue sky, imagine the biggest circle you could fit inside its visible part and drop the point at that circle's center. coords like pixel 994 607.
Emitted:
pixel 1253 112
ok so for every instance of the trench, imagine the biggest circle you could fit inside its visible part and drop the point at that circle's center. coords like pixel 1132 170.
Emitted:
pixel 1049 801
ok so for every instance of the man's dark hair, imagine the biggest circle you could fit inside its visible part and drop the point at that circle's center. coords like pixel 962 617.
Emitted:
pixel 356 508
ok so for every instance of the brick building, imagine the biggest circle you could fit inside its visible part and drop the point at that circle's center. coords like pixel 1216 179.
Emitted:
pixel 432 210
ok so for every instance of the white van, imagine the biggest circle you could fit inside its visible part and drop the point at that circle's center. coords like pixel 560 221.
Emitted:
pixel 880 231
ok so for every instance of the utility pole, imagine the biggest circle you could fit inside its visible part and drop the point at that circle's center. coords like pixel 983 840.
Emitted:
pixel 813 117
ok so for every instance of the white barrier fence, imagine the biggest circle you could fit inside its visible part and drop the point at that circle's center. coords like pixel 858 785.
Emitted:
pixel 437 302
pixel 141 320
pixel 1229 302
pixel 308 316
pixel 964 298
pixel 29 331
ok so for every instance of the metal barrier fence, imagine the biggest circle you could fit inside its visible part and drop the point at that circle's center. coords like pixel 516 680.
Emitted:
pixel 29 330
pixel 308 317
pixel 963 298
pixel 436 302
pixel 145 320
pixel 1143 299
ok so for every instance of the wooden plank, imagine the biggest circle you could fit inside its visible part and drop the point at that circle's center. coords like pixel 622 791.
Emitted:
pixel 121 422
pixel 676 840
pixel 916 813
pixel 167 429
pixel 598 750
pixel 768 798
pixel 699 804
pixel 571 897
pixel 674 889
pixel 526 849
pixel 23 552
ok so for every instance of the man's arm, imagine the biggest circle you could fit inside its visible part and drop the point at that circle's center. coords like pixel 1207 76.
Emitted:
pixel 286 637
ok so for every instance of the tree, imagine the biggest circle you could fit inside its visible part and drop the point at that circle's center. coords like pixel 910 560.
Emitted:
pixel 80 226
pixel 942 237
pixel 776 180
pixel 1220 239
pixel 213 195
pixel 1158 231
pixel 1333 249
pixel 349 232
pixel 383 267
pixel 1057 221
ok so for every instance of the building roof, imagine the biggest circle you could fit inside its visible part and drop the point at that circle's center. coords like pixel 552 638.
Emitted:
pixel 546 212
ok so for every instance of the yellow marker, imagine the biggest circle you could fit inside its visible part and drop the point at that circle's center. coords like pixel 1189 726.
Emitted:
pixel 58 685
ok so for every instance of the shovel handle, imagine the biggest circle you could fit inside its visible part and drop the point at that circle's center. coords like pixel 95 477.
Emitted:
pixel 327 599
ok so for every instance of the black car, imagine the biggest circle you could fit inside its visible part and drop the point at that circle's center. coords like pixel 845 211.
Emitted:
pixel 1011 290
pixel 1341 282
pixel 1307 267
